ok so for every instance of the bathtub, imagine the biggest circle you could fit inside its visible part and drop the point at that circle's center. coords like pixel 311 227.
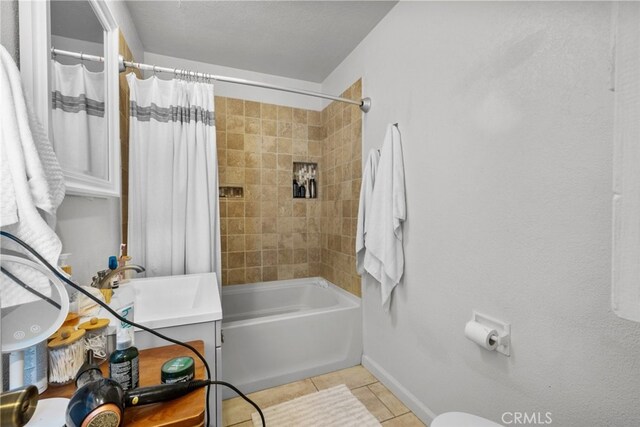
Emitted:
pixel 278 332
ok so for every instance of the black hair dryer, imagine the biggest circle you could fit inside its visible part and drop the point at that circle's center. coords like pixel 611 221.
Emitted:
pixel 100 402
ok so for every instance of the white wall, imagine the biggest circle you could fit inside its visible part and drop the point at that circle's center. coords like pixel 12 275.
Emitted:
pixel 90 229
pixel 127 27
pixel 506 115
pixel 9 26
pixel 240 91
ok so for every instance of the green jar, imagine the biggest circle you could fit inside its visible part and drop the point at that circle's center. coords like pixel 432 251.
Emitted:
pixel 123 363
pixel 179 369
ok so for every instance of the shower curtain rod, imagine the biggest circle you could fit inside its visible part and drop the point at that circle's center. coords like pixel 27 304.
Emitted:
pixel 364 103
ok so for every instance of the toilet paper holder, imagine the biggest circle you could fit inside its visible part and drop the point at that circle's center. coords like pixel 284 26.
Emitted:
pixel 502 328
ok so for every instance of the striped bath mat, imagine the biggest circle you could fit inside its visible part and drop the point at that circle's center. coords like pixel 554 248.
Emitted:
pixel 334 407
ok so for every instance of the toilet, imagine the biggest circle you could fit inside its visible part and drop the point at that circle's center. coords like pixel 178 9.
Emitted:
pixel 461 419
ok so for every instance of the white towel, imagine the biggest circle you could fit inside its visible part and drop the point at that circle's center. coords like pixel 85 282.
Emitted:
pixel 384 257
pixel 366 191
pixel 31 179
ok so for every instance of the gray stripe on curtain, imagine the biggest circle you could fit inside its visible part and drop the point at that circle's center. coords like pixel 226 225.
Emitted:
pixel 75 104
pixel 172 114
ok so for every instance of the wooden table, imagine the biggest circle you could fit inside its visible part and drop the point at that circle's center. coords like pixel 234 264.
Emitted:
pixel 187 411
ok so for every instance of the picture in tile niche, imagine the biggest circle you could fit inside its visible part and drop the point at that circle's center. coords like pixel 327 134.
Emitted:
pixel 305 184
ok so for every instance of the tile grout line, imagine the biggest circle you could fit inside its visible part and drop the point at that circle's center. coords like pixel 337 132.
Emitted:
pixel 383 404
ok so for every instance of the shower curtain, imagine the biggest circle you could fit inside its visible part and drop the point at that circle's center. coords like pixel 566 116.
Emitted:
pixel 174 218
pixel 77 115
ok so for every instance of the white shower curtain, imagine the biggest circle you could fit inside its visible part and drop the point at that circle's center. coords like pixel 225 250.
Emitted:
pixel 174 219
pixel 78 124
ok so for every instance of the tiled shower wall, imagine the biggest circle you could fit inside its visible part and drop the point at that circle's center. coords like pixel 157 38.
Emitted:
pixel 341 169
pixel 267 235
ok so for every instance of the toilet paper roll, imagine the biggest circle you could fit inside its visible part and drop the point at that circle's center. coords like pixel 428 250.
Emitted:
pixel 481 335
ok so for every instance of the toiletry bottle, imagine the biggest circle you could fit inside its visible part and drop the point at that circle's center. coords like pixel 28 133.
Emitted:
pixel 123 363
pixel 295 188
pixel 312 188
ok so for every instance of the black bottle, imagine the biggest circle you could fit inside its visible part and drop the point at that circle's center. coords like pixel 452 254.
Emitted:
pixel 296 189
pixel 302 191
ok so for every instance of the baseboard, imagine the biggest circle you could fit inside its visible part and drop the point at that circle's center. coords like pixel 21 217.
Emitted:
pixel 425 414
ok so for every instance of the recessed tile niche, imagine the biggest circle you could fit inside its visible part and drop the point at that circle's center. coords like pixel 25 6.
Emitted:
pixel 305 180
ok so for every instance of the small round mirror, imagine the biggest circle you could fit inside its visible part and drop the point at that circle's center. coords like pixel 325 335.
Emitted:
pixel 39 312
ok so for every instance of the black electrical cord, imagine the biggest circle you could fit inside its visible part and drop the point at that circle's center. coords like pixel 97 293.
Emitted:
pixel 29 288
pixel 144 328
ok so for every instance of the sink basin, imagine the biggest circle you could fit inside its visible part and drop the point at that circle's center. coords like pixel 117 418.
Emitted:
pixel 168 301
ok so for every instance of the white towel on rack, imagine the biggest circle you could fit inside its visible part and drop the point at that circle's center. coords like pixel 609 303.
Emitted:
pixel 31 179
pixel 366 191
pixel 384 256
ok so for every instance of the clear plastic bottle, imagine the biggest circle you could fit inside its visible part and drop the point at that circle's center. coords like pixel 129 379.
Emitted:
pixel 123 363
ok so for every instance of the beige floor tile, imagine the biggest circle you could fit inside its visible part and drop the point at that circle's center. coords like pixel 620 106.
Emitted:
pixel 406 420
pixel 390 401
pixel 236 410
pixel 243 424
pixel 372 403
pixel 353 377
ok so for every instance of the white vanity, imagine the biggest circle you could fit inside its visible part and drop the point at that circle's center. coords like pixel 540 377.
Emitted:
pixel 185 308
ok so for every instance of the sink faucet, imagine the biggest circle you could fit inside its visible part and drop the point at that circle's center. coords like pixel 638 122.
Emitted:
pixel 103 279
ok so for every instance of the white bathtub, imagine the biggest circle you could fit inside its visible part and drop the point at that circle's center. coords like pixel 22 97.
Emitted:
pixel 278 332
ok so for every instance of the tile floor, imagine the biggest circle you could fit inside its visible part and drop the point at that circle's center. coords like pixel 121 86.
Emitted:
pixel 375 396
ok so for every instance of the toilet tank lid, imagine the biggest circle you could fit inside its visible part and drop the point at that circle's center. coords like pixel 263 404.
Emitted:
pixel 462 419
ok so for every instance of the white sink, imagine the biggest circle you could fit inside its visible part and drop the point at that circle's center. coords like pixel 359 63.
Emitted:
pixel 163 302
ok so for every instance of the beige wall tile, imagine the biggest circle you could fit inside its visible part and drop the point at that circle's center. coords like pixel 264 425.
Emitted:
pixel 284 146
pixel 252 109
pixel 269 161
pixel 269 127
pixel 284 129
pixel 235 141
pixel 269 111
pixel 285 114
pixel 269 144
pixel 235 124
pixel 252 126
pixel 253 258
pixel 236 259
pixel 235 106
pixel 235 158
pixel 267 235
pixel 252 242
pixel 253 143
pixel 252 176
pixel 300 116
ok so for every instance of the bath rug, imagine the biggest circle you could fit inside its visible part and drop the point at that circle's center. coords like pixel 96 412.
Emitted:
pixel 333 407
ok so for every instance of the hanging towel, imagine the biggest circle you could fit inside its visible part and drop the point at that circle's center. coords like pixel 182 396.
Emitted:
pixel 31 179
pixel 384 256
pixel 366 191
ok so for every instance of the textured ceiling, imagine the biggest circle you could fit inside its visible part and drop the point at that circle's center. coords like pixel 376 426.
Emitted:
pixel 76 20
pixel 299 39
